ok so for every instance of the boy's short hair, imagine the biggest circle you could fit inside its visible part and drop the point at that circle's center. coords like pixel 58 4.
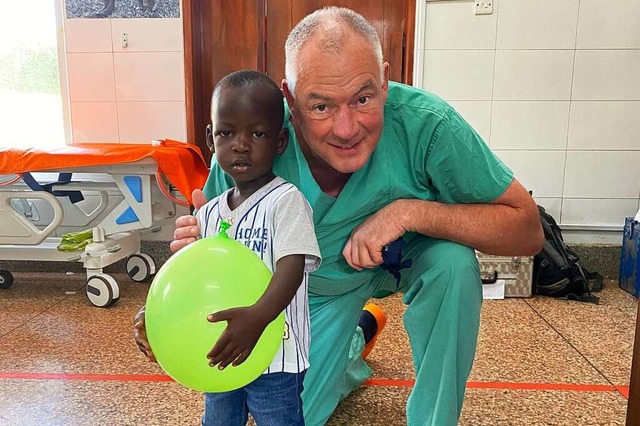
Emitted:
pixel 248 79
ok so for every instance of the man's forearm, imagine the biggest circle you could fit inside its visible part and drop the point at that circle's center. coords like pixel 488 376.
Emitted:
pixel 490 228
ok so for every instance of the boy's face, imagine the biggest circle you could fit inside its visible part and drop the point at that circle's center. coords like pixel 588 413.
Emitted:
pixel 246 135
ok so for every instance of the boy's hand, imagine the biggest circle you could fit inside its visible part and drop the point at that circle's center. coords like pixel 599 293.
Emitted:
pixel 244 328
pixel 140 336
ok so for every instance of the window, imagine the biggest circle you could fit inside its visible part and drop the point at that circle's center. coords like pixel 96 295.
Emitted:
pixel 31 100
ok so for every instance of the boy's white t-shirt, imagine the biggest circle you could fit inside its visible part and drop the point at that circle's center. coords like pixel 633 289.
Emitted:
pixel 274 222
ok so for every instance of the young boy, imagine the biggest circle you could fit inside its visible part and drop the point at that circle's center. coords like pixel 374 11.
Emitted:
pixel 272 218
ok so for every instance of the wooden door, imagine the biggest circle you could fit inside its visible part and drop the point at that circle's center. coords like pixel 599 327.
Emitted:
pixel 393 20
pixel 214 45
pixel 222 36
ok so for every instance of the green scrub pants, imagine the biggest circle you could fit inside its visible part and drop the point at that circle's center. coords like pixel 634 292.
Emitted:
pixel 443 292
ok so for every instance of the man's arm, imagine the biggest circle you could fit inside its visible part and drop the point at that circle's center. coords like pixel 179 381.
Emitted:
pixel 509 226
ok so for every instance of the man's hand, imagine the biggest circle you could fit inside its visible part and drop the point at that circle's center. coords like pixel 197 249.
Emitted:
pixel 140 335
pixel 508 226
pixel 364 247
pixel 187 230
pixel 244 328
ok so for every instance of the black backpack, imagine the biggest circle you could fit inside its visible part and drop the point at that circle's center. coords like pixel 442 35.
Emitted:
pixel 556 270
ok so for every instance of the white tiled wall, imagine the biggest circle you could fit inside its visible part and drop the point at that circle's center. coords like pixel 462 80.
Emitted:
pixel 554 89
pixel 128 94
pixel 552 86
pixel 449 71
pixel 91 77
pixel 533 75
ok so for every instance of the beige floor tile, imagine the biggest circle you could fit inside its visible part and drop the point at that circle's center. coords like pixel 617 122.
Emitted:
pixel 30 295
pixel 372 405
pixel 615 296
pixel 81 403
pixel 484 407
pixel 516 345
pixel 602 333
pixel 73 336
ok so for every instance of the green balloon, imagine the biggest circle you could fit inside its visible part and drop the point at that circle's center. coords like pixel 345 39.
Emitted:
pixel 210 275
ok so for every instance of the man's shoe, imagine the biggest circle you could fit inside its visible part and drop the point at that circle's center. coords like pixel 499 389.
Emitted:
pixel 381 320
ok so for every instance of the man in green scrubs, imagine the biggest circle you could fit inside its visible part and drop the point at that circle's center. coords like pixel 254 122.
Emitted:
pixel 377 161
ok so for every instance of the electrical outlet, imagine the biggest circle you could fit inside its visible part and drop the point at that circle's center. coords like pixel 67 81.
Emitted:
pixel 484 7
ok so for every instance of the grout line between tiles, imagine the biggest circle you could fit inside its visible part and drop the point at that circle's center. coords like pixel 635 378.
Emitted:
pixel 48 308
pixel 618 388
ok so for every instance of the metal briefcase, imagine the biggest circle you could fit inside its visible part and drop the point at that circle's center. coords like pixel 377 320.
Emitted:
pixel 516 271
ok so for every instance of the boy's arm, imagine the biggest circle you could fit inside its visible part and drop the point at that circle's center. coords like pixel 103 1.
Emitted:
pixel 245 325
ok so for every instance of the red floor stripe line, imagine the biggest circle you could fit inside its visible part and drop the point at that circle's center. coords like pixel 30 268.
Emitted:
pixel 624 390
pixel 542 386
pixel 514 386
pixel 92 377
pixel 390 382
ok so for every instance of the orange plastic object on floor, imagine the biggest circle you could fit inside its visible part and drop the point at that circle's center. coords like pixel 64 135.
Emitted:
pixel 181 163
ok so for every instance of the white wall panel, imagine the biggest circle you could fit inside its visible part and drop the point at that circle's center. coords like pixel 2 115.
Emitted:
pixel 453 25
pixel 602 174
pixel 147 35
pixel 539 24
pixel 157 76
pixel 538 171
pixel 91 77
pixel 459 74
pixel 609 125
pixel 94 122
pixel 533 75
pixel 530 125
pixel 607 75
pixel 142 122
pixel 606 24
pixel 87 35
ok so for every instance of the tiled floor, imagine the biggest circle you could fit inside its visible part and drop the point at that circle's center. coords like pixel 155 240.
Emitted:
pixel 539 362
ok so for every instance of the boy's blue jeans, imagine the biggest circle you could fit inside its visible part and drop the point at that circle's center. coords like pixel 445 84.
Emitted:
pixel 272 399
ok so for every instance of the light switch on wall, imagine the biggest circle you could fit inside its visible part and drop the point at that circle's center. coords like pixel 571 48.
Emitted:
pixel 484 7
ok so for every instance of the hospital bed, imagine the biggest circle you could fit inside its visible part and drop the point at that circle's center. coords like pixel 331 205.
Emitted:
pixel 132 186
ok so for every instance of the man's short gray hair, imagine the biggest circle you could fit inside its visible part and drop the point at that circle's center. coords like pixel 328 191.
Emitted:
pixel 333 24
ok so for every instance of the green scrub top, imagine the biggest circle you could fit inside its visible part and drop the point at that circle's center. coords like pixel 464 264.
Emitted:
pixel 427 151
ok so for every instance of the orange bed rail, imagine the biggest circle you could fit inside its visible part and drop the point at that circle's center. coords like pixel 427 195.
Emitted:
pixel 182 163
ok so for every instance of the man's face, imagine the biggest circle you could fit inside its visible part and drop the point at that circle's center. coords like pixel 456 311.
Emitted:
pixel 338 108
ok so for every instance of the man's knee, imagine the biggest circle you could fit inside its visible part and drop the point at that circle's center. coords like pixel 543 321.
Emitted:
pixel 443 267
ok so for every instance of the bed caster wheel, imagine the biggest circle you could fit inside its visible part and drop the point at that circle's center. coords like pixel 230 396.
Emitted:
pixel 102 290
pixel 6 279
pixel 140 267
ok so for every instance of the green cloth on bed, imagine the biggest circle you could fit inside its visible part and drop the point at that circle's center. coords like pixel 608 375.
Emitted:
pixel 74 241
